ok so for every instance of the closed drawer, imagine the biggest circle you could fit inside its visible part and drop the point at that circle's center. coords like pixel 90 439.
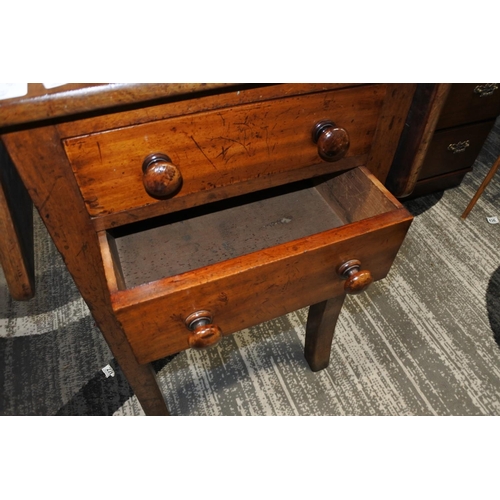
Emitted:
pixel 248 145
pixel 470 102
pixel 249 259
pixel 454 149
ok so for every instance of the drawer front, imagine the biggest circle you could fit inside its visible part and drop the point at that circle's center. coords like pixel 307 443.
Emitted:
pixel 220 148
pixel 256 287
pixel 454 149
pixel 470 102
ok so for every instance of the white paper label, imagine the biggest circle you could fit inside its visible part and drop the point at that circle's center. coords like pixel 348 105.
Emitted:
pixel 492 220
pixel 108 371
pixel 10 90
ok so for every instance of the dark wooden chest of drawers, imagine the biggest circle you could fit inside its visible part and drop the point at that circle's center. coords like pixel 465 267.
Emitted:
pixel 445 131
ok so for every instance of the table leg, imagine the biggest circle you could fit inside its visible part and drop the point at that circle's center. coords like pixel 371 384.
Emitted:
pixel 42 164
pixel 320 329
pixel 16 231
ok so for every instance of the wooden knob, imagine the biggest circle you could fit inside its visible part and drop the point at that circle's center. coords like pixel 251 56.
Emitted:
pixel 332 141
pixel 203 333
pixel 160 177
pixel 357 280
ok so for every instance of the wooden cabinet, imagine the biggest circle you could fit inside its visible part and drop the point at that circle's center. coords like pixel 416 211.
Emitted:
pixel 445 131
pixel 186 218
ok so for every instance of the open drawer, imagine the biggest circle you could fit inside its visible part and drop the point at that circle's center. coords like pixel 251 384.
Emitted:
pixel 248 259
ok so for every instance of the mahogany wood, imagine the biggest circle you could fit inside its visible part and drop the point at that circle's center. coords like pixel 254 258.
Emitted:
pixel 356 280
pixel 428 102
pixel 439 110
pixel 160 177
pixel 333 142
pixel 389 128
pixel 220 148
pixel 440 159
pixel 181 105
pixel 321 321
pixel 282 278
pixel 16 231
pixel 44 169
pixel 463 105
pixel 42 104
pixel 102 134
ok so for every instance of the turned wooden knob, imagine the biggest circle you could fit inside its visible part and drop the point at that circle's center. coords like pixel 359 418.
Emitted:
pixel 332 141
pixel 203 332
pixel 357 280
pixel 160 177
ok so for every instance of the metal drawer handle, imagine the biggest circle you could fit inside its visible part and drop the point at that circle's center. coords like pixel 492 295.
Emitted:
pixel 486 89
pixel 203 332
pixel 459 147
pixel 357 280
pixel 332 140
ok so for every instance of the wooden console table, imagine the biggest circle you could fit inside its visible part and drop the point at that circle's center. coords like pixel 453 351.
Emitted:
pixel 188 212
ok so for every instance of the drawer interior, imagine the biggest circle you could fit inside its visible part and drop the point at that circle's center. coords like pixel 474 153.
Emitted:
pixel 191 239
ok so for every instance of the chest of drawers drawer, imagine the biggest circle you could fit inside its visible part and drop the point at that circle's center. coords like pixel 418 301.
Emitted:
pixel 235 149
pixel 250 260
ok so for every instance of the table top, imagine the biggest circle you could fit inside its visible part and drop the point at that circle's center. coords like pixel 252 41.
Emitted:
pixel 41 103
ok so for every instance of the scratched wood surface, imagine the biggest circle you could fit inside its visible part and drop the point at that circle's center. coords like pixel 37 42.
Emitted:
pixel 282 278
pixel 220 148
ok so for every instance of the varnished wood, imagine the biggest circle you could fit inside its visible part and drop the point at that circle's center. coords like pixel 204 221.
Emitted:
pixel 43 167
pixel 216 149
pixel 282 278
pixel 389 128
pixel 482 187
pixel 440 110
pixel 428 102
pixel 16 231
pixel 186 104
pixel 83 170
pixel 440 159
pixel 160 177
pixel 43 104
pixel 320 328
pixel 333 142
pixel 463 105
pixel 357 280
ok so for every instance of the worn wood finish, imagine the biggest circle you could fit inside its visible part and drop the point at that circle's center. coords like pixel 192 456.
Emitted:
pixel 16 230
pixel 441 160
pixel 44 169
pixel 428 102
pixel 43 104
pixel 389 128
pixel 463 105
pixel 438 183
pixel 102 133
pixel 482 187
pixel 220 148
pixel 439 110
pixel 282 278
pixel 321 321
pixel 187 104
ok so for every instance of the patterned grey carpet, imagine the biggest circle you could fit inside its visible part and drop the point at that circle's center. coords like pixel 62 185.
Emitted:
pixel 424 341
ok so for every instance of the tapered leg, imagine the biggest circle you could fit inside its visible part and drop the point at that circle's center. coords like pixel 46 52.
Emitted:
pixel 481 188
pixel 320 328
pixel 16 231
pixel 42 164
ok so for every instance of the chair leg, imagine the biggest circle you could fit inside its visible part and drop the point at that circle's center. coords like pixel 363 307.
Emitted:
pixel 481 188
